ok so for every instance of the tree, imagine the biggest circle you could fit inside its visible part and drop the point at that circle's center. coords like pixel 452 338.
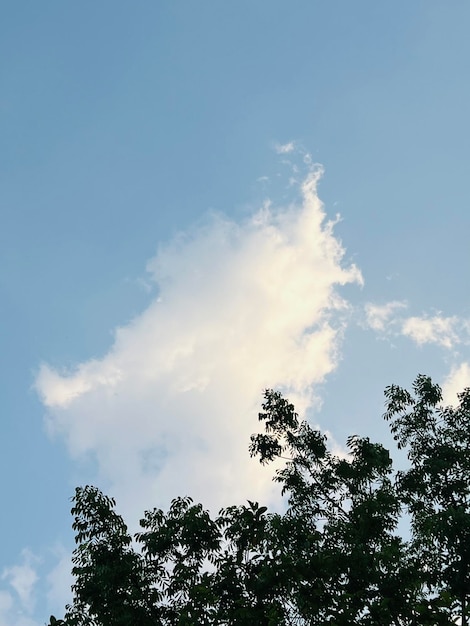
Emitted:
pixel 436 487
pixel 350 565
pixel 333 557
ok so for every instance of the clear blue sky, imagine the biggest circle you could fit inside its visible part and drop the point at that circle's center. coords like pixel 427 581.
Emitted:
pixel 138 145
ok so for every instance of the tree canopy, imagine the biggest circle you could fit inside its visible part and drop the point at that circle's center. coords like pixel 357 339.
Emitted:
pixel 359 542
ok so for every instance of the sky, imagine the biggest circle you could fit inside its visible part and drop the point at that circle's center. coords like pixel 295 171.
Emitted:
pixel 199 201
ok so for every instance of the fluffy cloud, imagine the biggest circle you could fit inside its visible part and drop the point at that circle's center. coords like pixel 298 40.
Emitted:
pixel 439 330
pixel 169 409
pixel 457 380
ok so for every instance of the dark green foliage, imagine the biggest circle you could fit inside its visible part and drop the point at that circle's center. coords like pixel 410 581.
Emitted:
pixel 436 487
pixel 334 557
pixel 112 585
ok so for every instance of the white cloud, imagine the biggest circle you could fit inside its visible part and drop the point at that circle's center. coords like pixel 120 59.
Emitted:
pixel 285 148
pixel 23 579
pixel 24 583
pixel 446 332
pixel 16 608
pixel 438 330
pixel 6 603
pixel 60 580
pixel 9 617
pixel 169 409
pixel 379 316
pixel 457 380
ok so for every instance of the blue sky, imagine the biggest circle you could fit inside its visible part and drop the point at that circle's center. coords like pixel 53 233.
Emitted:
pixel 167 249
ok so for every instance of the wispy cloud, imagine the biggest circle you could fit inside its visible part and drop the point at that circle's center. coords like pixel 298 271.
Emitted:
pixel 35 585
pixel 59 579
pixel 379 316
pixel 285 148
pixel 23 579
pixel 388 320
pixel 241 307
pixel 17 598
